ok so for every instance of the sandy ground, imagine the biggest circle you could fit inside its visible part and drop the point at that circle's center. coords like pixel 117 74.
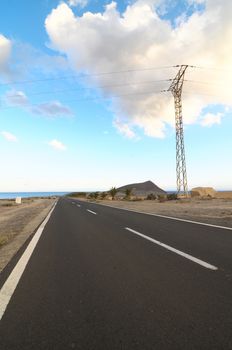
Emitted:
pixel 213 211
pixel 18 222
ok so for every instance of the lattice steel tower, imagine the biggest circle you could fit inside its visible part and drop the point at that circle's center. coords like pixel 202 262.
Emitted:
pixel 176 90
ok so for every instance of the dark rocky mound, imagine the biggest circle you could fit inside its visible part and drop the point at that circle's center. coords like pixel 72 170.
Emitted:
pixel 142 188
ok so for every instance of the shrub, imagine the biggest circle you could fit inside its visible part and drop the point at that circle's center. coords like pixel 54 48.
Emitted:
pixel 113 192
pixel 162 198
pixel 128 192
pixel 103 195
pixel 172 196
pixel 91 195
pixel 151 196
pixel 95 195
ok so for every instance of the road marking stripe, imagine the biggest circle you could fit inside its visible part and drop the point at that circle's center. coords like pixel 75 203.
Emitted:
pixel 168 217
pixel 11 283
pixel 179 252
pixel 78 205
pixel 92 212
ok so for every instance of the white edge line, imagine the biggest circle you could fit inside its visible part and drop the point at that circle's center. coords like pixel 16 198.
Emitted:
pixel 92 212
pixel 11 283
pixel 179 252
pixel 168 217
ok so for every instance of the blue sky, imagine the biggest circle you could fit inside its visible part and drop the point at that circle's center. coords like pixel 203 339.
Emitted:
pixel 64 125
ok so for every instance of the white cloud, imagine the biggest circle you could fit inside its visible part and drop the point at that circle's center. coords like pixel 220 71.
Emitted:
pixel 210 119
pixel 124 129
pixel 51 109
pixel 5 52
pixel 139 38
pixel 27 60
pixel 8 136
pixel 58 145
pixel 81 3
pixel 20 61
pixel 16 98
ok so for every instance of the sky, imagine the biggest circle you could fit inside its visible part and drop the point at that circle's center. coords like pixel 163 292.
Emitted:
pixel 83 93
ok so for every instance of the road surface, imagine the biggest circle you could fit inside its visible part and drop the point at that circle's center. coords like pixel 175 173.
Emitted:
pixel 105 278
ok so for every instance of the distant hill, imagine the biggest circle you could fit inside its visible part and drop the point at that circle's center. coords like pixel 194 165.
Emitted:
pixel 142 188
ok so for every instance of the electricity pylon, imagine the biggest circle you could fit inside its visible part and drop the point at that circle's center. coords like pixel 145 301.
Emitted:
pixel 176 90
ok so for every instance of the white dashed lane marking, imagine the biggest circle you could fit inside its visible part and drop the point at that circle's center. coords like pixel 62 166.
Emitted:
pixel 92 212
pixel 176 251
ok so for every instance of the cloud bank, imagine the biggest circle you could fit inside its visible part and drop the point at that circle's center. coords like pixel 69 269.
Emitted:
pixel 138 38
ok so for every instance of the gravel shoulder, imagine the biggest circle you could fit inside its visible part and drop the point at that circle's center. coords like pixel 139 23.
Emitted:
pixel 18 222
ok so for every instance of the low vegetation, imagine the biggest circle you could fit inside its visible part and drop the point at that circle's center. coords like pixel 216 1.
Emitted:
pixel 103 195
pixel 162 197
pixel 172 196
pixel 128 195
pixel 7 204
pixel 95 195
pixel 77 194
pixel 151 197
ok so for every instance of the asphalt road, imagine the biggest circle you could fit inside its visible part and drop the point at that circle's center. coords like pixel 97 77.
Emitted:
pixel 93 284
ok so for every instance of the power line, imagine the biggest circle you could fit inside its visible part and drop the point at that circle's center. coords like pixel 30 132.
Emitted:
pixel 86 75
pixel 205 94
pixel 215 68
pixel 115 96
pixel 204 82
pixel 100 87
pixel 90 99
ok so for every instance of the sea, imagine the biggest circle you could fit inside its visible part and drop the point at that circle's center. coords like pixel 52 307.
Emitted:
pixel 12 195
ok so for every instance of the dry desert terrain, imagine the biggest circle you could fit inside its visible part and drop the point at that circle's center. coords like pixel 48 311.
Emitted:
pixel 213 211
pixel 18 222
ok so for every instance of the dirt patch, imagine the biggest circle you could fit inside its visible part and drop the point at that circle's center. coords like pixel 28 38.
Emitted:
pixel 224 194
pixel 18 222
